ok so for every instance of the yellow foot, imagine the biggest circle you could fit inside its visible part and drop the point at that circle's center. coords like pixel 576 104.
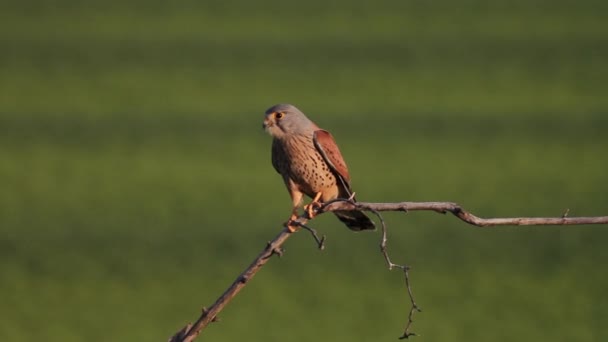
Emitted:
pixel 311 208
pixel 291 224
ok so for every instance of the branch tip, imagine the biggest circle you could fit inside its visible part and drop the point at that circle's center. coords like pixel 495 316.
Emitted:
pixel 407 335
pixel 320 241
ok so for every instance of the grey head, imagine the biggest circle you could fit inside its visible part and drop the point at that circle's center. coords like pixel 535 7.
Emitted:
pixel 284 120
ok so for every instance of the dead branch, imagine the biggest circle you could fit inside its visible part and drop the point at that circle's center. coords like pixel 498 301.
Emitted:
pixel 458 211
pixel 191 331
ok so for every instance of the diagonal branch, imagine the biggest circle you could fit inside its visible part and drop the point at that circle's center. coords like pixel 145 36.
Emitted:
pixel 191 331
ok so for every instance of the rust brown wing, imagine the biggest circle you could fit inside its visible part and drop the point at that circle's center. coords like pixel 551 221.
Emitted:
pixel 326 145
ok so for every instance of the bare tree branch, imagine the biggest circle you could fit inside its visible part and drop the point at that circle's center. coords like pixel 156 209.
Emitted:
pixel 191 331
pixel 458 211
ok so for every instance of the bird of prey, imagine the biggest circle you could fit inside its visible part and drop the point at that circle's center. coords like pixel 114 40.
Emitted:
pixel 310 163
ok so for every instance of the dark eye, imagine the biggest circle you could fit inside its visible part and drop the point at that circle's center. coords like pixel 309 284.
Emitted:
pixel 278 115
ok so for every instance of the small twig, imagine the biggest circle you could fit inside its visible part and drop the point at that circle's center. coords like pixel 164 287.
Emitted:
pixel 278 251
pixel 405 268
pixel 384 241
pixel 313 232
pixel 384 250
pixel 413 308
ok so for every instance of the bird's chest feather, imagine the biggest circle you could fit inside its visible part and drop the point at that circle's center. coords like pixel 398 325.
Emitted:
pixel 297 159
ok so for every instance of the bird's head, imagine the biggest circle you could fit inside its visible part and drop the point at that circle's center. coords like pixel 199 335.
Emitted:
pixel 284 119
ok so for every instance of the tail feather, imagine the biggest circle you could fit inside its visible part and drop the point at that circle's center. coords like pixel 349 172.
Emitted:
pixel 355 220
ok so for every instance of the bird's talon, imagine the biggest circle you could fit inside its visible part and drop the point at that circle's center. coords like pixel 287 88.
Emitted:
pixel 292 226
pixel 312 208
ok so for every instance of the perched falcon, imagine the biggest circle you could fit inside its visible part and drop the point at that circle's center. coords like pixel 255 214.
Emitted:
pixel 310 163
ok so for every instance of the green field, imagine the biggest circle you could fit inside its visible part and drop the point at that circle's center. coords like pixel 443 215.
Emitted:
pixel 137 184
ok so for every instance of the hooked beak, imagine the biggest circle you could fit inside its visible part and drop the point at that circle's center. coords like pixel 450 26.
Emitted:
pixel 266 124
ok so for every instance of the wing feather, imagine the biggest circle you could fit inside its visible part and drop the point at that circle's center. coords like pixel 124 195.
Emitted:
pixel 326 145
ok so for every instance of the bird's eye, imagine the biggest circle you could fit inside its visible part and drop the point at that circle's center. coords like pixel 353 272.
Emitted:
pixel 278 115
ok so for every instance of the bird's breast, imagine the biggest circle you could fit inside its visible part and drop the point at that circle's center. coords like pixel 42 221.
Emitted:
pixel 305 166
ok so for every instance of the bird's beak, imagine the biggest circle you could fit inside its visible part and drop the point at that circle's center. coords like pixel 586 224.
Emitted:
pixel 266 124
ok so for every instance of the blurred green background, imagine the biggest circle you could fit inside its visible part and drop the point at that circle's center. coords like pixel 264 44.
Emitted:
pixel 137 184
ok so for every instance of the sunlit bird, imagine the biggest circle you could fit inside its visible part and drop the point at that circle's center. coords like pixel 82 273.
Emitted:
pixel 310 163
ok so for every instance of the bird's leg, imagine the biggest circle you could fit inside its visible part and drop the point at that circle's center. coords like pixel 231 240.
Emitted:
pixel 290 224
pixel 296 200
pixel 314 205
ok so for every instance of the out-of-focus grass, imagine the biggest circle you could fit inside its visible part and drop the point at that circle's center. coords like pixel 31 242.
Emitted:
pixel 192 58
pixel 136 179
